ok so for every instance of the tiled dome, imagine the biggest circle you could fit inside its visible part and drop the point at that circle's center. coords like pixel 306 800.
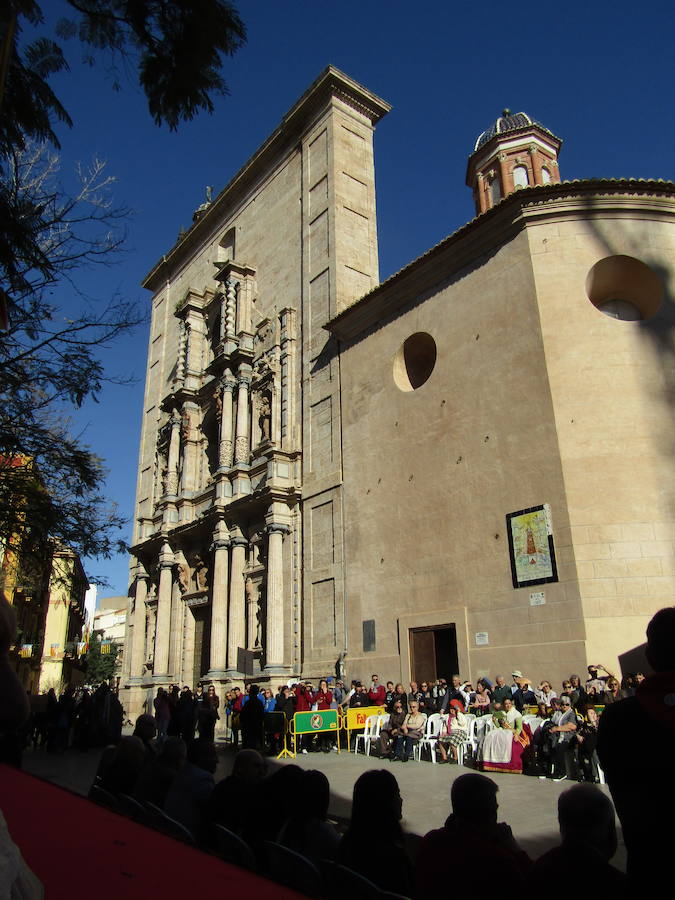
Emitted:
pixel 508 121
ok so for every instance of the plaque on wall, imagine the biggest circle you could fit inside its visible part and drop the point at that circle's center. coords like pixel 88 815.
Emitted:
pixel 531 546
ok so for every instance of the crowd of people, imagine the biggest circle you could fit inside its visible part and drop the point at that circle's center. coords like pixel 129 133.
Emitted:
pixel 290 807
pixel 535 729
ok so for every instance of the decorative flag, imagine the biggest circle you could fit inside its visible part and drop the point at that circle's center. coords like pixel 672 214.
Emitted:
pixel 26 651
pixel 54 649
pixel 105 646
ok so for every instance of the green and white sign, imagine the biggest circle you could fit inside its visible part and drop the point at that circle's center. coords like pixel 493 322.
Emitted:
pixel 314 722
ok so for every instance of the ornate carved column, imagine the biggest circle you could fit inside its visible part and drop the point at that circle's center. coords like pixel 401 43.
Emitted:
pixel 189 440
pixel 182 352
pixel 230 307
pixel 236 633
pixel 171 484
pixel 138 655
pixel 163 631
pixel 274 639
pixel 219 591
pixel 226 444
pixel 241 447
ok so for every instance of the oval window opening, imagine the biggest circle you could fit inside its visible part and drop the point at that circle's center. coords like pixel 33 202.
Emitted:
pixel 414 362
pixel 624 288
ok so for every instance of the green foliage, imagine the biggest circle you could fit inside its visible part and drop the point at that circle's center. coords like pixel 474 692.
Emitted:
pixel 100 666
pixel 50 483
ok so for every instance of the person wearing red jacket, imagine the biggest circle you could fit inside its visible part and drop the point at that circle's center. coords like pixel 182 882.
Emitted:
pixel 377 693
pixel 323 699
pixel 303 703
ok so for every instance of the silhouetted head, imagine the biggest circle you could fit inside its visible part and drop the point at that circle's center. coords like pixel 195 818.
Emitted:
pixel 661 640
pixel 474 799
pixel 249 766
pixel 202 753
pixel 376 804
pixel 282 789
pixel 174 753
pixel 314 795
pixel 586 817
pixel 254 690
pixel 146 727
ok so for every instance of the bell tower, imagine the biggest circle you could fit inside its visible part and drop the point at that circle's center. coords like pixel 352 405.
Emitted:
pixel 515 152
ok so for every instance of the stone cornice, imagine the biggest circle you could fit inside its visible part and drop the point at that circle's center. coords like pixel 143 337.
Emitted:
pixel 331 83
pixel 629 198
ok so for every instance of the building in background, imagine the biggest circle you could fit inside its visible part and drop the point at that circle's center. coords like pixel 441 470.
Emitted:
pixel 48 597
pixel 465 468
pixel 62 662
pixel 110 623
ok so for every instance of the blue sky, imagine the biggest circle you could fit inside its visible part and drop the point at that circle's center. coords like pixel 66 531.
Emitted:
pixel 598 75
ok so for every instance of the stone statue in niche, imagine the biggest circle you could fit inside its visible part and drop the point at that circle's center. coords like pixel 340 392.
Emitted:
pixel 253 607
pixel 218 401
pixel 185 426
pixel 265 416
pixel 183 576
pixel 201 574
pixel 340 666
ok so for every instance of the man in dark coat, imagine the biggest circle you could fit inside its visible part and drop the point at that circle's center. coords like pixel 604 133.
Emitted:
pixel 642 786
pixel 441 863
pixel 251 718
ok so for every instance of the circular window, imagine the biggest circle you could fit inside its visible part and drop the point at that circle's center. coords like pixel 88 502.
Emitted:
pixel 624 288
pixel 414 362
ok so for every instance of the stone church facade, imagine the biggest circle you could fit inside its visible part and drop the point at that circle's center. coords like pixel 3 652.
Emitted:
pixel 333 469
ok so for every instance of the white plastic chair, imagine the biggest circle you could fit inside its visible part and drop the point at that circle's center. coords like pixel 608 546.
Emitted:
pixel 468 744
pixel 533 721
pixel 370 732
pixel 477 731
pixel 432 731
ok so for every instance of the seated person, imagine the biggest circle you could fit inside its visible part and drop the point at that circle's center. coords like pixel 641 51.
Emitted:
pixel 454 733
pixel 442 859
pixel 392 731
pixel 157 776
pixel 120 766
pixel 232 797
pixel 613 692
pixel 588 833
pixel 479 704
pixel 524 695
pixel 556 742
pixel 374 844
pixel 502 748
pixel 306 830
pixel 187 798
pixel 412 731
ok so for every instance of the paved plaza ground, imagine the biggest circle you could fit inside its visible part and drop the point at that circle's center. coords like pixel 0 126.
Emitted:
pixel 527 804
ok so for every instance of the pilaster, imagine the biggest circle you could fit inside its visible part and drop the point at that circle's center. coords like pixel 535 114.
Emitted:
pixel 219 597
pixel 236 637
pixel 163 632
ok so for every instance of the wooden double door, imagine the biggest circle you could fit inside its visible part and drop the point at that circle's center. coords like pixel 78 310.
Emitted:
pixel 433 653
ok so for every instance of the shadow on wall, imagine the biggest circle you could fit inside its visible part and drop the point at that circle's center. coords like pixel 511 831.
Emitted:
pixel 631 237
pixel 635 660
